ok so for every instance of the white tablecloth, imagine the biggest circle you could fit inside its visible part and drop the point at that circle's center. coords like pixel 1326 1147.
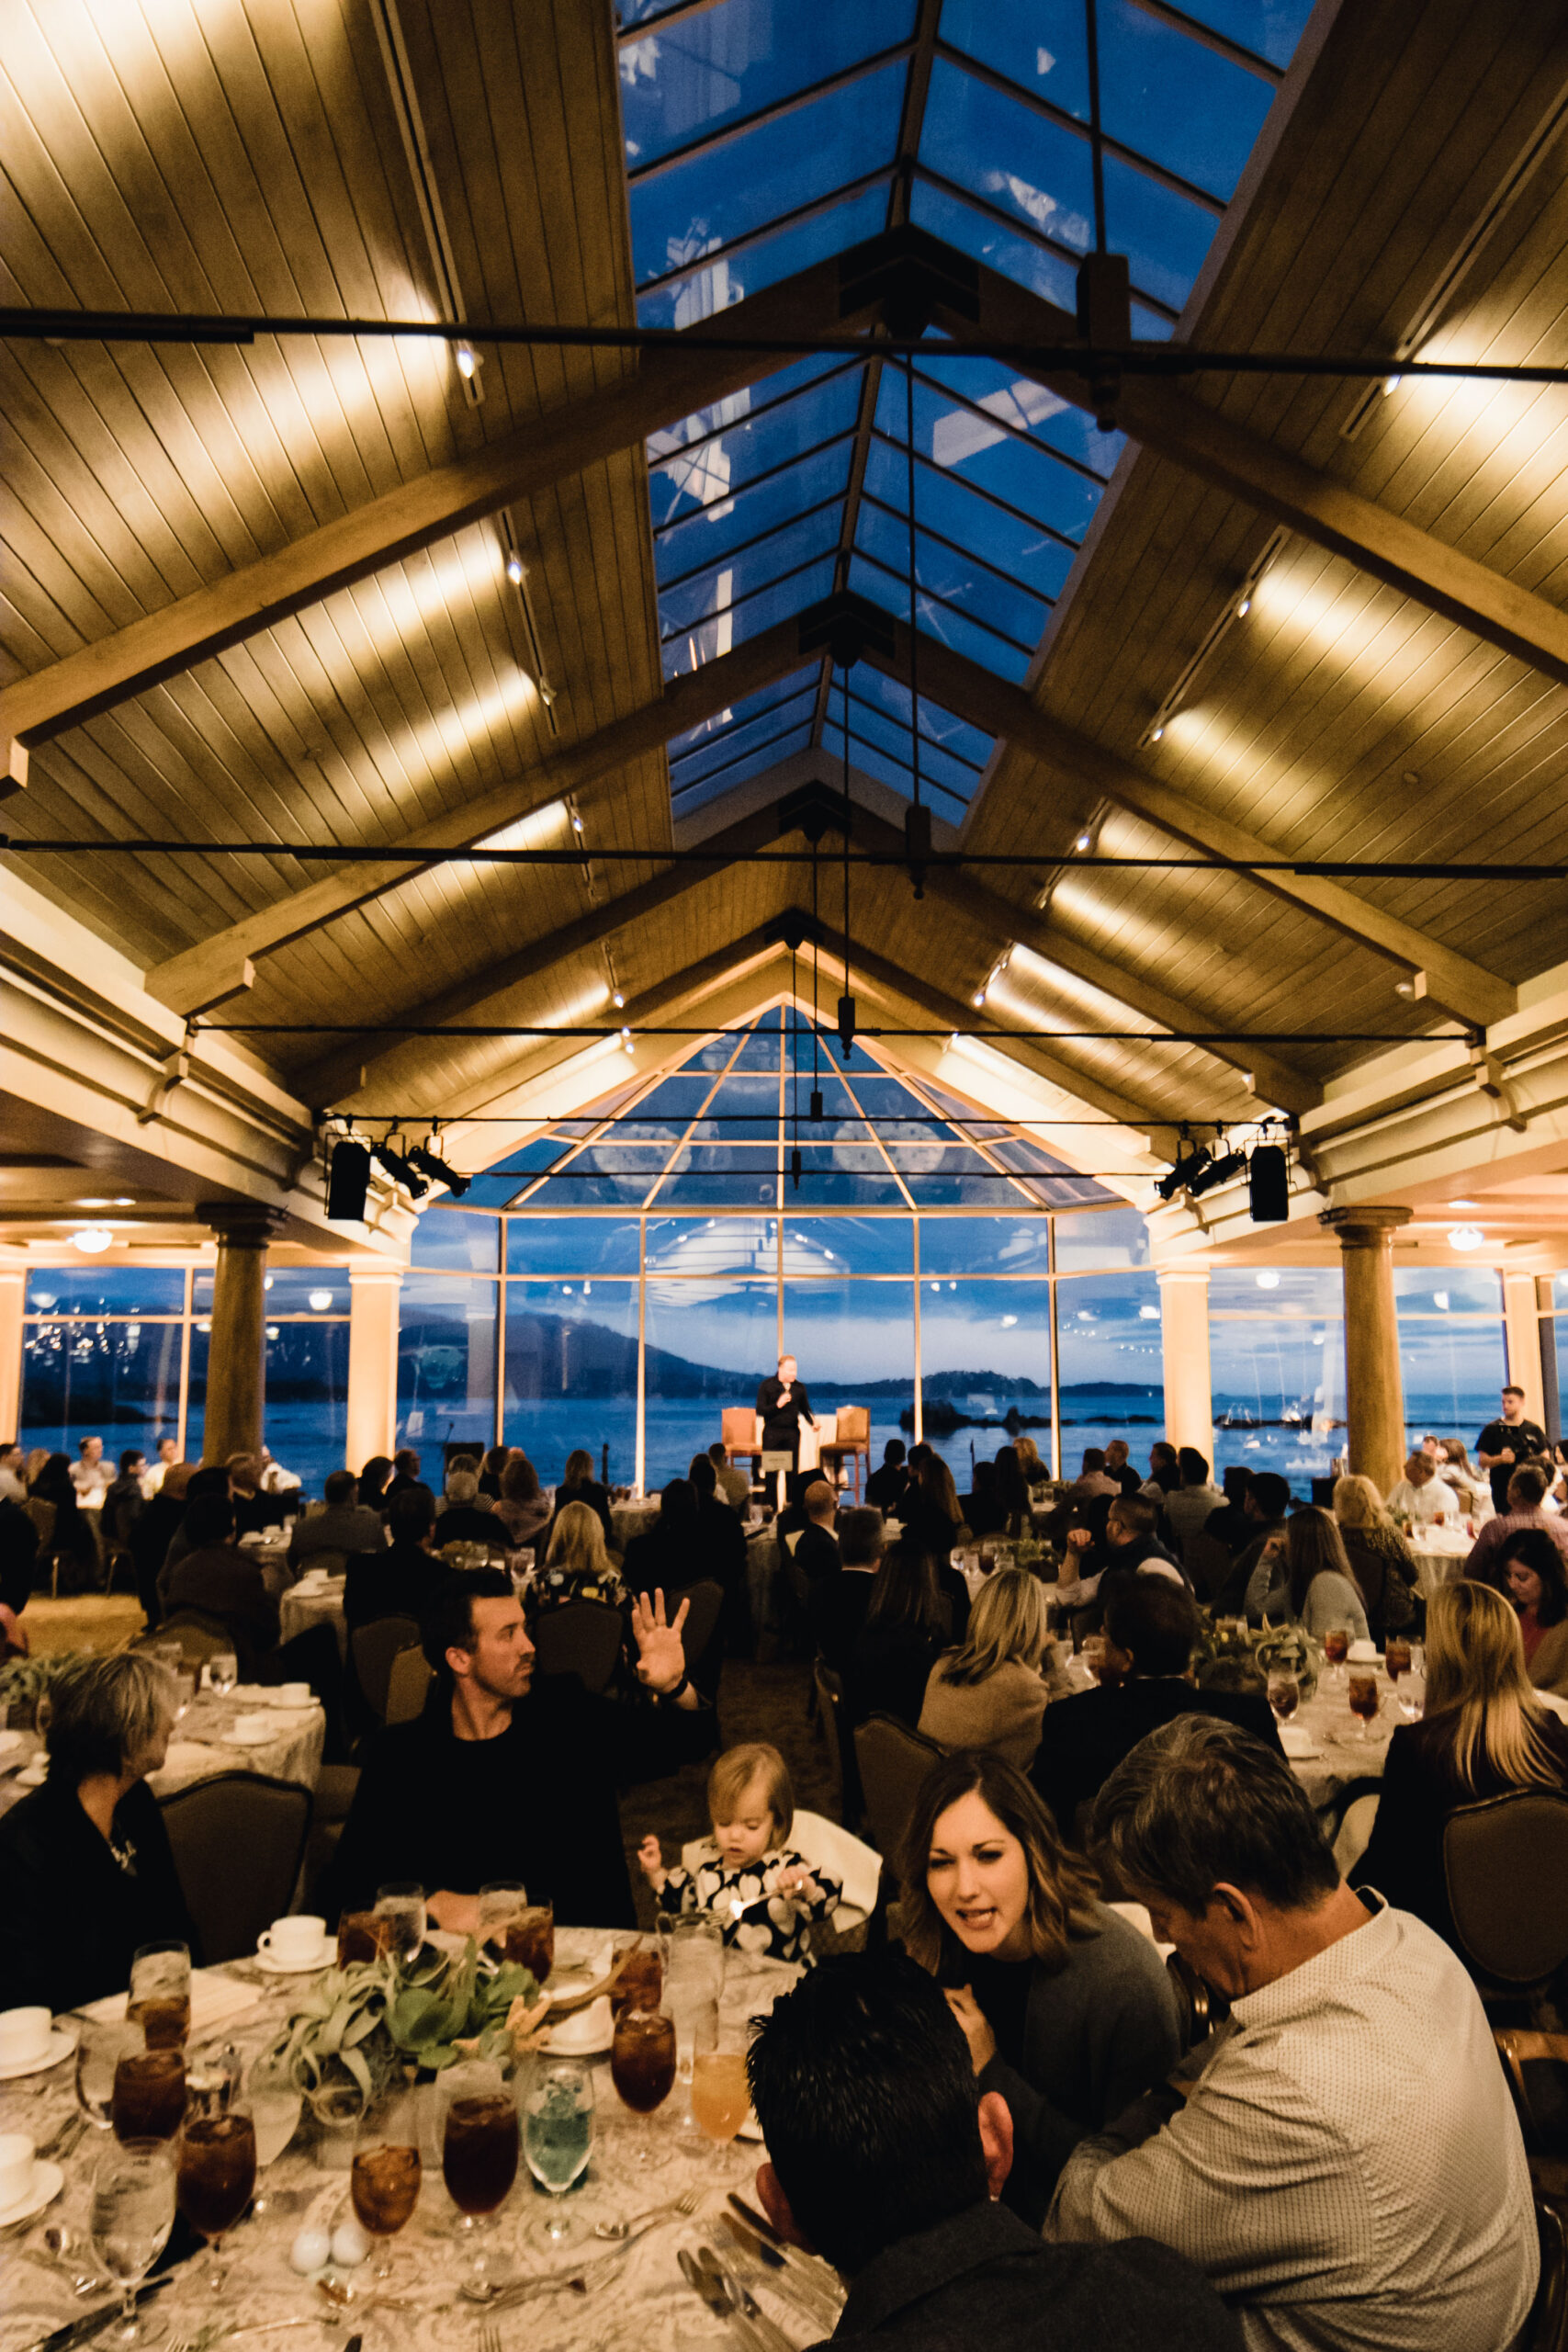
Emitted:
pixel 640 2304
pixel 200 1752
pixel 1342 1755
pixel 315 1605
pixel 1440 1554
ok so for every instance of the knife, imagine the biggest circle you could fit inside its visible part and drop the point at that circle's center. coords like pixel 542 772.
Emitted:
pixel 79 2330
pixel 814 2297
pixel 739 2299
pixel 806 2266
pixel 718 2303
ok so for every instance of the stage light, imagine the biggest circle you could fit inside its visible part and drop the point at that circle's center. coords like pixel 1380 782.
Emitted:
pixel 515 567
pixel 425 1159
pixel 319 1300
pixel 90 1239
pixel 1461 1237
pixel 1243 609
pixel 1217 1171
pixel 1180 1177
pixel 402 1171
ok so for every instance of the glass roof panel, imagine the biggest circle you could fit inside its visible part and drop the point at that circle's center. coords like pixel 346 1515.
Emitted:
pixel 779 165
pixel 1025 474
pixel 802 484
pixel 946 503
pixel 1164 236
pixel 1030 167
pixel 741 713
pixel 735 578
pixel 1177 100
pixel 688 292
pixel 963 580
pixel 732 742
pixel 760 1050
pixel 1269 27
pixel 869 579
pixel 697 794
pixel 964 742
pixel 1020 405
pixel 734 444
pixel 870 726
pixel 719 66
pixel 893 767
pixel 761 611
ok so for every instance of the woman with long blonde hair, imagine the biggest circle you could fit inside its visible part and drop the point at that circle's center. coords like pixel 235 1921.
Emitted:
pixel 1304 1574
pixel 1484 1731
pixel 577 1566
pixel 1067 2009
pixel 989 1691
pixel 1381 1560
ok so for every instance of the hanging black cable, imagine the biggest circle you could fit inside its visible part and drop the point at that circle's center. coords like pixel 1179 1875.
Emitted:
pixel 1105 311
pixel 1096 128
pixel 917 820
pixel 792 1040
pixel 846 1002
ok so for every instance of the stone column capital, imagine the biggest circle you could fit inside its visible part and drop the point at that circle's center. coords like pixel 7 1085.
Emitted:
pixel 376 1277
pixel 1197 1275
pixel 242 1224
pixel 1364 1227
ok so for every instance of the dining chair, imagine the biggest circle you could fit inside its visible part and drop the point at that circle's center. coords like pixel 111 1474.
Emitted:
pixel 1544 2120
pixel 373 1647
pixel 893 1761
pixel 407 1685
pixel 702 1619
pixel 828 1687
pixel 200 1636
pixel 580 1638
pixel 1505 1864
pixel 1546 2329
pixel 826 1846
pixel 238 1840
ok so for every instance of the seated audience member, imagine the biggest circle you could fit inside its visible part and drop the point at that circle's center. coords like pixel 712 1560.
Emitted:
pixel 86 1861
pixel 373 1479
pixel 815 1553
pixel 719 1546
pixel 1131 1548
pixel 1267 1505
pixel 155 1531
pixel 18 1550
pixel 346 1524
pixel 500 1780
pixel 1165 1473
pixel 766 1898
pixel 837 1604
pixel 982 1506
pixel 733 1483
pixel 13 1470
pixel 221 1579
pixel 71 1540
pixel 489 1471
pixel 403 1577
pixel 1526 1491
pixel 1382 1561
pixel 1304 1574
pixel 1068 2010
pixel 660 1558
pixel 125 1500
pixel 1472 1487
pixel 523 1508
pixel 1033 1469
pixel 257 1506
pixel 90 1473
pixel 1013 1494
pixel 405 1474
pixel 1093 1478
pixel 152 1478
pixel 908 1624
pixel 463 1518
pixel 1151 1628
pixel 1423 1496
pixel 930 1513
pixel 991 1690
pixel 1117 1463
pixel 1187 1510
pixel 884 1487
pixel 206 1478
pixel 577 1566
pixel 1536 1582
pixel 1483 1733
pixel 1323 2167
pixel 1233 1524
pixel 901 2186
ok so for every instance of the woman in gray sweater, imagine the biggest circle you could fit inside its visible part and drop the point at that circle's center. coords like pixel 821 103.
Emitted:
pixel 1067 2009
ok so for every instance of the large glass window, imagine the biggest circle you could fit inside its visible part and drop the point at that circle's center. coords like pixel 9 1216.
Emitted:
pixel 1452 1353
pixel 570 1376
pixel 1110 1362
pixel 447 1361
pixel 1276 1368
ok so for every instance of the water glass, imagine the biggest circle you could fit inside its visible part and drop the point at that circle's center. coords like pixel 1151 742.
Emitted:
pixel 159 1999
pixel 500 1901
pixel 403 1902
pixel 222 1673
pixel 558 2135
pixel 692 1949
pixel 131 2215
pixel 100 2050
pixel 694 2013
pixel 273 2098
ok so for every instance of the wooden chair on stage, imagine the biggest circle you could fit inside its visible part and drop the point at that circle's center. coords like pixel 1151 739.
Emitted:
pixel 851 1441
pixel 741 1434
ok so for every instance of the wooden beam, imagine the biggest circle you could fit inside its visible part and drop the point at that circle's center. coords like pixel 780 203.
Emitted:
pixel 668 385
pixel 970 692
pixel 211 971
pixel 1307 501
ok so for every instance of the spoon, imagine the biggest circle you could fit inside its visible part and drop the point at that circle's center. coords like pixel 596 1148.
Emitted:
pixel 63 2247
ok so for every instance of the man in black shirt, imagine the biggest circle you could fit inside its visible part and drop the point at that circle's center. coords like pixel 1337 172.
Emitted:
pixel 836 1605
pixel 1504 1443
pixel 884 1487
pixel 817 1553
pixel 784 1405
pixel 502 1779
pixel 897 2186
pixel 403 1578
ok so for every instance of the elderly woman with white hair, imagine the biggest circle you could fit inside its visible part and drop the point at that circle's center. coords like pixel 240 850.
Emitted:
pixel 85 1860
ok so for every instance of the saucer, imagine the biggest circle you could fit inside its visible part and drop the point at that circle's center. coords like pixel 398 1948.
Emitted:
pixel 55 2052
pixel 571 2047
pixel 48 2182
pixel 326 1957
pixel 234 1738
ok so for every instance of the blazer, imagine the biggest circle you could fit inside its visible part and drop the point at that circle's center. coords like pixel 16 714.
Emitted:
pixel 77 1909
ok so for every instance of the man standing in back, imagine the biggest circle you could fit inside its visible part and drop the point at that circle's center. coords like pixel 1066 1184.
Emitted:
pixel 1506 1442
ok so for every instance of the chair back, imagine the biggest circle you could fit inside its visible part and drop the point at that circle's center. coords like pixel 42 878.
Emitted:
pixel 1546 2329
pixel 238 1842
pixel 408 1684
pixel 374 1647
pixel 42 1515
pixel 893 1761
pixel 826 1846
pixel 1207 1562
pixel 738 1429
pixel 1506 1862
pixel 829 1690
pixel 580 1638
pixel 199 1635
pixel 702 1619
pixel 854 1425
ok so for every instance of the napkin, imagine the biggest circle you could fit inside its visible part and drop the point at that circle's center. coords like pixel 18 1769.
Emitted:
pixel 214 1998
pixel 185 1756
pixel 1364 1654
pixel 1296 1740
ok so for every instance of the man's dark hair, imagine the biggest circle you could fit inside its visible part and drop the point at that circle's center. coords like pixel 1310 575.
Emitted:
pixel 405 1462
pixel 1528 1487
pixel 340 1487
pixel 209 1519
pixel 1163 1447
pixel 410 1514
pixel 1512 1391
pixel 1134 1512
pixel 861 1537
pixel 1194 1466
pixel 1272 1494
pixel 702 1476
pixel 718 1455
pixel 1199 1802
pixel 211 1478
pixel 1236 1482
pixel 893 1452
pixel 129 1460
pixel 863 2086
pixel 1157 1619
pixel 1093 1457
pixel 450 1624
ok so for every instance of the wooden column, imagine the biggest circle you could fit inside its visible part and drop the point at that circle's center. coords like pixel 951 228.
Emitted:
pixel 1375 1393
pixel 372 1362
pixel 236 1355
pixel 13 1289
pixel 1523 1330
pixel 1184 1330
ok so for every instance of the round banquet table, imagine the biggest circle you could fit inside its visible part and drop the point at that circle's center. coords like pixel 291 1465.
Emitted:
pixel 302 1606
pixel 1338 1755
pixel 636 2300
pixel 198 1750
pixel 1440 1554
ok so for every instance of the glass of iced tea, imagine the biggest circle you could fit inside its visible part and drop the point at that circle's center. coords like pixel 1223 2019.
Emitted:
pixel 529 1940
pixel 1337 1649
pixel 1364 1701
pixel 642 2067
pixel 384 2185
pixel 148 2101
pixel 214 2175
pixel 721 2096
pixel 1284 1694
pixel 480 2147
pixel 365 1935
pixel 159 2000
pixel 1396 1656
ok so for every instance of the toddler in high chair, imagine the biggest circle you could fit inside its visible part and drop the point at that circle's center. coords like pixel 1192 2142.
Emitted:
pixel 766 1894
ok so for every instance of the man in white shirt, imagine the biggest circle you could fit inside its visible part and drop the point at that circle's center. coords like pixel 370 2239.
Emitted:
pixel 91 1475
pixel 1091 1479
pixel 156 1472
pixel 1341 2157
pixel 13 1485
pixel 1423 1496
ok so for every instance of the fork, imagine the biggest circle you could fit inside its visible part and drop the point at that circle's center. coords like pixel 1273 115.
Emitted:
pixel 619 2233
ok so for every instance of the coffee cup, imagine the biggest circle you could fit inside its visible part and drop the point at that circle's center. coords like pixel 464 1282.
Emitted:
pixel 24 2035
pixel 16 2162
pixel 292 1694
pixel 295 1941
pixel 252 1727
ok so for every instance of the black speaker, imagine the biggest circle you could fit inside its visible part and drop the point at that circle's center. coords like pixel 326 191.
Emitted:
pixel 1269 1188
pixel 348 1183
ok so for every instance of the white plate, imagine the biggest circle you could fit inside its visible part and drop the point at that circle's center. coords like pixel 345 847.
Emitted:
pixel 234 1737
pixel 58 2049
pixel 48 2182
pixel 326 1957
pixel 572 2048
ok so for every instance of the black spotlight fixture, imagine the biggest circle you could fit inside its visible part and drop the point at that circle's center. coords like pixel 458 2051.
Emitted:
pixel 431 1164
pixel 402 1171
pixel 348 1183
pixel 1268 1185
pixel 1217 1169
pixel 1183 1176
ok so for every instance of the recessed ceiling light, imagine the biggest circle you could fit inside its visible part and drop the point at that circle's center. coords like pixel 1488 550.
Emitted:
pixel 1243 609
pixel 1464 1204
pixel 1269 1281
pixel 1158 735
pixel 1466 1237
pixel 90 1239
pixel 515 567
pixel 321 1300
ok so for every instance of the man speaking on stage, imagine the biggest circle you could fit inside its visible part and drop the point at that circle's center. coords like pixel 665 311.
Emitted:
pixel 784 1405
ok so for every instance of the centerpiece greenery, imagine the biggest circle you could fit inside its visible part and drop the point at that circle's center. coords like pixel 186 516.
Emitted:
pixel 362 2025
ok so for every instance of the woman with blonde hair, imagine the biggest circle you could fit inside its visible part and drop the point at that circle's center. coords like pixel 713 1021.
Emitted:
pixel 523 1508
pixel 1381 1560
pixel 1485 1731
pixel 989 1691
pixel 577 1566
pixel 1304 1574
pixel 1067 2009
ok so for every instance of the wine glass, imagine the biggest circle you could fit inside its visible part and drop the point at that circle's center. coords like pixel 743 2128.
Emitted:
pixel 273 2099
pixel 1365 1701
pixel 403 1902
pixel 1284 1693
pixel 222 1673
pixel 479 2146
pixel 1335 1650
pixel 557 2136
pixel 500 1901
pixel 214 2177
pixel 642 2067
pixel 133 2213
pixel 384 2182
pixel 100 2050
pixel 721 2095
